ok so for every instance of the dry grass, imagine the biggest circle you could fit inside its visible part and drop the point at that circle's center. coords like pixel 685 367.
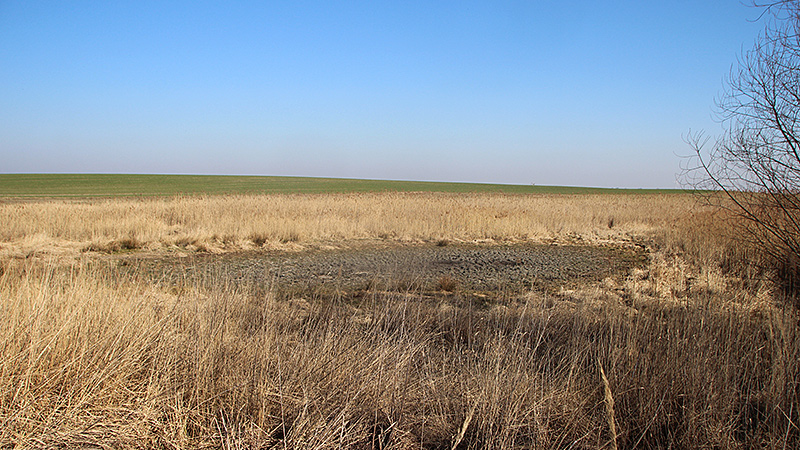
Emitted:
pixel 90 358
pixel 287 221
pixel 447 283
pixel 691 352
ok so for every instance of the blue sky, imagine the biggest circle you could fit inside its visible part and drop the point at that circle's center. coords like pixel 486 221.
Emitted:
pixel 581 93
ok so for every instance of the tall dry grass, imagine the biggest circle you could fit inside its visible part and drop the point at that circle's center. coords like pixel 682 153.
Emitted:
pixel 89 358
pixel 692 351
pixel 247 222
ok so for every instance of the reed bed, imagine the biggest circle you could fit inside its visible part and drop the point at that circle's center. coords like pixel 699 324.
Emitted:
pixel 696 350
pixel 229 223
pixel 90 358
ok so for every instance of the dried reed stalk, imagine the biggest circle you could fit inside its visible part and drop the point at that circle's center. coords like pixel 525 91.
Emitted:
pixel 609 400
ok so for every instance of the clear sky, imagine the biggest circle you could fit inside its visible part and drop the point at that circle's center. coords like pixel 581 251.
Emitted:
pixel 587 93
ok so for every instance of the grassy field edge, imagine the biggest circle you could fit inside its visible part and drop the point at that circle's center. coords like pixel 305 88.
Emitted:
pixel 133 185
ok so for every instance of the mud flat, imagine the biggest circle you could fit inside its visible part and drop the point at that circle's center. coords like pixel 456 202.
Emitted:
pixel 425 268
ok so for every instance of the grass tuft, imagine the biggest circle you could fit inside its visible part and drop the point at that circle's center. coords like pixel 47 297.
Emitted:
pixel 259 238
pixel 447 283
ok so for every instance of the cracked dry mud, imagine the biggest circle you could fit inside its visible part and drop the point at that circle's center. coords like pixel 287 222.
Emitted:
pixel 471 268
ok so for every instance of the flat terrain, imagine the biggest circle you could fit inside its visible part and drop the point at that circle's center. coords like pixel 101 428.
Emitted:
pixel 470 269
pixel 126 185
pixel 386 320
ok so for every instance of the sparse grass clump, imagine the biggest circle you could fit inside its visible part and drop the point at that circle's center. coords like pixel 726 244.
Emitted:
pixel 259 238
pixel 115 245
pixel 447 283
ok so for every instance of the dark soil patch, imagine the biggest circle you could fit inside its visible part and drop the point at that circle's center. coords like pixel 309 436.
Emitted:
pixel 430 268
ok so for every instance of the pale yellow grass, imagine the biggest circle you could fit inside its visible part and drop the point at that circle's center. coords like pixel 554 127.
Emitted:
pixel 680 354
pixel 285 221
pixel 90 358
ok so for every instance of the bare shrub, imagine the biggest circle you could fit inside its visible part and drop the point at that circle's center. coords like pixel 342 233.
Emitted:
pixel 753 169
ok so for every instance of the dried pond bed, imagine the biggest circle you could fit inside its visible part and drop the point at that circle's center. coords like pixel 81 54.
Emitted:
pixel 467 268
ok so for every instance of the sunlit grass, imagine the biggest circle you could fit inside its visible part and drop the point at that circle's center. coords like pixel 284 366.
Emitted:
pixel 230 223
pixel 697 349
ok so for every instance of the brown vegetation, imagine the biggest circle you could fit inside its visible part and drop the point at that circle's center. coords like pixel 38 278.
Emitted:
pixel 693 351
pixel 286 221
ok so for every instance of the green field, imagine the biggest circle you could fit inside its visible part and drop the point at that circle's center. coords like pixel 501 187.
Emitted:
pixel 125 185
